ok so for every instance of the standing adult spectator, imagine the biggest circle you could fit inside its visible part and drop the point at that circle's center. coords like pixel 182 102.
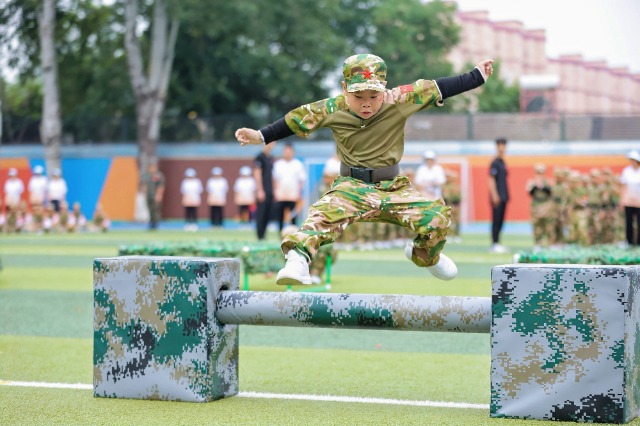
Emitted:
pixel 430 177
pixel 217 188
pixel 499 194
pixel 153 188
pixel 13 189
pixel 191 190
pixel 630 198
pixel 263 175
pixel 289 177
pixel 57 190
pixel 539 188
pixel 37 188
pixel 244 193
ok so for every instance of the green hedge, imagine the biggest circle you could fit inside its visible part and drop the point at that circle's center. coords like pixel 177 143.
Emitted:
pixel 592 255
pixel 256 257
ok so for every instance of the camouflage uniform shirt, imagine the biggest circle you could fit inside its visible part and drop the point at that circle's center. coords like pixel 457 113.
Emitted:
pixel 375 142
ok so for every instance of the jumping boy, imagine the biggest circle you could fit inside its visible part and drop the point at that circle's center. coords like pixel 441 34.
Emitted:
pixel 367 121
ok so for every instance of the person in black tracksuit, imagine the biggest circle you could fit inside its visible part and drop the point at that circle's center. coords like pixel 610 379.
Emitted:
pixel 262 172
pixel 499 194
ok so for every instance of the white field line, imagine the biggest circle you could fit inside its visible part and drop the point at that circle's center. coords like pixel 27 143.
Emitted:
pixel 264 395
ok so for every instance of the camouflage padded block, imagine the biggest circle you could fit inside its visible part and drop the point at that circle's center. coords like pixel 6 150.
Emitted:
pixel 156 335
pixel 565 342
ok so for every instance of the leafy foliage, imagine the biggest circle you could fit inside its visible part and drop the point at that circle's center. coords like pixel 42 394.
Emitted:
pixel 238 62
pixel 414 37
pixel 499 96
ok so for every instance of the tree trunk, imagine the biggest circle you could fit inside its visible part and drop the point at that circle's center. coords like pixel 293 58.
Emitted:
pixel 150 89
pixel 50 126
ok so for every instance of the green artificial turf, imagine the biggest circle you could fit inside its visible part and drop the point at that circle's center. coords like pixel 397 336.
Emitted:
pixel 46 314
pixel 52 407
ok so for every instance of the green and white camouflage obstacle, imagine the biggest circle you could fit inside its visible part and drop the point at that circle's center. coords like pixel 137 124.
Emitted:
pixel 565 342
pixel 156 335
pixel 565 338
pixel 166 327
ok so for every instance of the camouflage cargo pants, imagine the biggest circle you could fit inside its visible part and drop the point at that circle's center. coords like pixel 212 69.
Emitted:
pixel 393 201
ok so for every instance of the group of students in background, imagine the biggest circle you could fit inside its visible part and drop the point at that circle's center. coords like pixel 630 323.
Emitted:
pixel 278 182
pixel 598 207
pixel 45 208
pixel 215 192
pixel 586 209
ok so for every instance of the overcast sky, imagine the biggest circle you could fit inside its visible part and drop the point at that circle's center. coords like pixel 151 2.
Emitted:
pixel 597 29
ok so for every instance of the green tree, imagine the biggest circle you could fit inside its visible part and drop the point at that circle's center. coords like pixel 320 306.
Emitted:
pixel 95 92
pixel 499 96
pixel 257 59
pixel 496 96
pixel 95 89
pixel 414 38
pixel 244 58
pixel 21 109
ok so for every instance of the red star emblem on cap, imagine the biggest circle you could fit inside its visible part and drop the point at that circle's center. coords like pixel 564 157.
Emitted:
pixel 366 74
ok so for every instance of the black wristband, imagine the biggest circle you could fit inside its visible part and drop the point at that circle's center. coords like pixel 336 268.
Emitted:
pixel 451 86
pixel 276 131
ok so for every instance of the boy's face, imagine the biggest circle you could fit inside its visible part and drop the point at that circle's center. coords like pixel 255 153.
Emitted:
pixel 365 103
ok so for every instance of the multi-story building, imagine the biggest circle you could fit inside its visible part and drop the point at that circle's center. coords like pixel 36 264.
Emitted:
pixel 567 84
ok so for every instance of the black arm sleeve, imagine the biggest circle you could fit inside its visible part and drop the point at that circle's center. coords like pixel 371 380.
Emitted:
pixel 451 86
pixel 276 131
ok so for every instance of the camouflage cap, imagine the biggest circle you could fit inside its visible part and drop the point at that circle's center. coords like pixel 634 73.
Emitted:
pixel 365 72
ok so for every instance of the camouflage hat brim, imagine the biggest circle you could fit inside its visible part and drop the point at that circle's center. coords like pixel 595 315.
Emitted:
pixel 378 86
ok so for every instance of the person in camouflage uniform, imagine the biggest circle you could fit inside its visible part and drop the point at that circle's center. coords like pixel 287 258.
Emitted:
pixel 560 193
pixel 577 211
pixel 368 121
pixel 152 186
pixel 100 221
pixel 452 195
pixel 63 217
pixel 597 202
pixel 615 232
pixel 539 188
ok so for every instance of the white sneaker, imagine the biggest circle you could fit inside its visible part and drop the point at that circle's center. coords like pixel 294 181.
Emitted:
pixel 295 271
pixel 445 269
pixel 499 248
pixel 316 280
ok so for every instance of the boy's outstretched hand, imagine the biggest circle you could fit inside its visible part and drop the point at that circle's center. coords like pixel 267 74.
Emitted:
pixel 248 136
pixel 486 67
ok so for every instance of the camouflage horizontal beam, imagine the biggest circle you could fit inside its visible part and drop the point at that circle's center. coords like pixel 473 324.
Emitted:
pixel 400 312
